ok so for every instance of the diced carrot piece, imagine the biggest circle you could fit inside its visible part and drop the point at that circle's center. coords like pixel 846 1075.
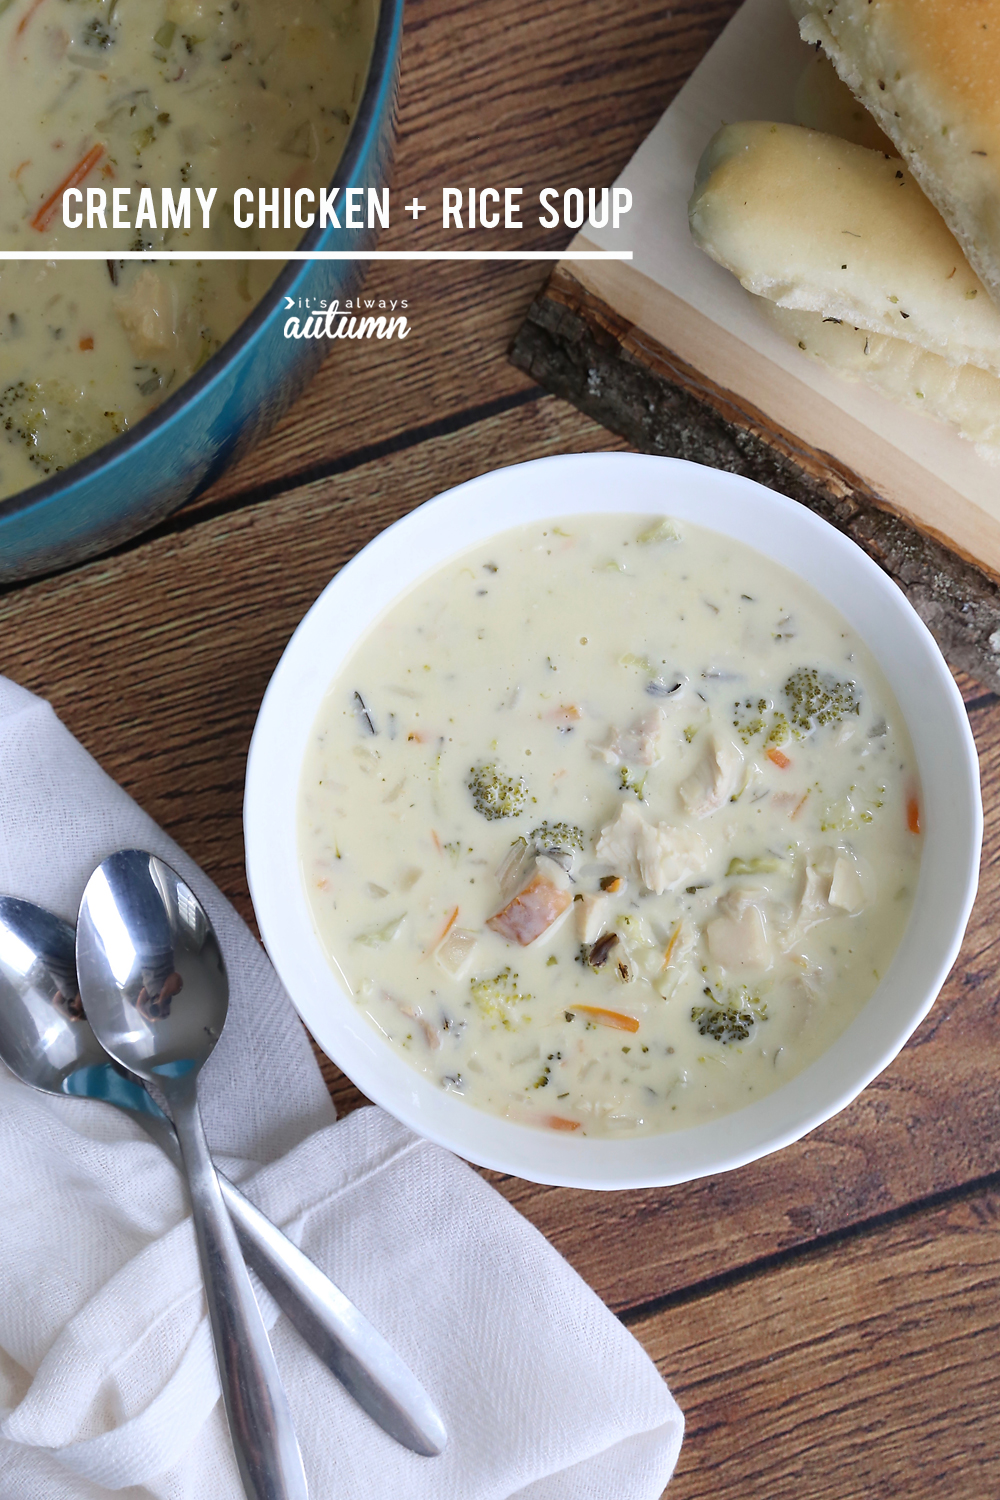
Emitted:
pixel 913 815
pixel 531 911
pixel 613 1018
pixel 779 758
pixel 22 23
pixel 44 215
pixel 559 1122
pixel 87 343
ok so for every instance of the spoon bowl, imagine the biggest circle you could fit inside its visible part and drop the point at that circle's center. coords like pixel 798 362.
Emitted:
pixel 45 1038
pixel 150 967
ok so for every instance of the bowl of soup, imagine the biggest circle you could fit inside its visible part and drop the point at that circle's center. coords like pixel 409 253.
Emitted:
pixel 612 820
pixel 126 386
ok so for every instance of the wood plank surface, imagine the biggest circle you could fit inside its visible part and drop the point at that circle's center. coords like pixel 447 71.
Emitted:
pixel 868 1371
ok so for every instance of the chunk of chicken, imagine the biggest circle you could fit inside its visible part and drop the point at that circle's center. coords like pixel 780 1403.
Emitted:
pixel 637 746
pixel 454 953
pixel 847 888
pixel 592 916
pixel 814 903
pixel 147 314
pixel 532 911
pixel 809 981
pixel 738 937
pixel 836 881
pixel 715 779
pixel 660 855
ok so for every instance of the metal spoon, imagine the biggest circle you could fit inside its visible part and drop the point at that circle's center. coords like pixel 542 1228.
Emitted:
pixel 47 1042
pixel 155 990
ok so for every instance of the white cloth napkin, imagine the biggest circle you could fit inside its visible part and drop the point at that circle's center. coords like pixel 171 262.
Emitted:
pixel 107 1374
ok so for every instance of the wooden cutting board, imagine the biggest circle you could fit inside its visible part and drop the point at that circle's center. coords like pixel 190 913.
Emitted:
pixel 669 351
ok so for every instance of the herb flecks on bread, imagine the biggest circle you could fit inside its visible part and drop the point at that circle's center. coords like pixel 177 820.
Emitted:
pixel 929 72
pixel 854 266
pixel 818 224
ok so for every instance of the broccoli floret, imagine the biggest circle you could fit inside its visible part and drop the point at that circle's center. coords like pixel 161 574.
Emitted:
pixel 759 716
pixel 731 1021
pixel 558 836
pixel 495 795
pixel 497 997
pixel 851 812
pixel 632 783
pixel 816 699
pixel 55 424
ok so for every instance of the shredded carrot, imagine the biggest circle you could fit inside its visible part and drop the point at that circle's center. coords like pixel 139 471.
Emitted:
pixel 22 23
pixel 613 1018
pixel 779 758
pixel 87 343
pixel 18 170
pixel 444 932
pixel 559 1122
pixel 672 944
pixel 800 804
pixel 437 842
pixel 913 815
pixel 44 216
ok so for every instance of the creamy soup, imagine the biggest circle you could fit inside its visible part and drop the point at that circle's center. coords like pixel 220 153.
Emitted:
pixel 610 825
pixel 176 94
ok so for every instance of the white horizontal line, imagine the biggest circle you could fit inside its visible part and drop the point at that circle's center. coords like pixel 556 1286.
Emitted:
pixel 166 254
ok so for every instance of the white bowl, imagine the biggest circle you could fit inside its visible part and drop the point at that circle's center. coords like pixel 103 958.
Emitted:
pixel 782 530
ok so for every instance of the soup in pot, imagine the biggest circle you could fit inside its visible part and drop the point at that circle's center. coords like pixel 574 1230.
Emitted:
pixel 179 95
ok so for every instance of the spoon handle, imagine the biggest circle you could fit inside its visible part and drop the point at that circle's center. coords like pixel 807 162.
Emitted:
pixel 361 1359
pixel 260 1419
pixel 352 1350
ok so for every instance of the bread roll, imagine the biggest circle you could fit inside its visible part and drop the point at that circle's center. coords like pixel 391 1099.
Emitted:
pixel 929 71
pixel 817 224
pixel 965 396
pixel 824 102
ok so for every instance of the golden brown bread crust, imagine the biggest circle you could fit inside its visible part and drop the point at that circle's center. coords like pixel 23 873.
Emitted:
pixel 929 71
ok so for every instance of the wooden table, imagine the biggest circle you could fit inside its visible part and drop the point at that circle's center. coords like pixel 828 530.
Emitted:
pixel 828 1318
